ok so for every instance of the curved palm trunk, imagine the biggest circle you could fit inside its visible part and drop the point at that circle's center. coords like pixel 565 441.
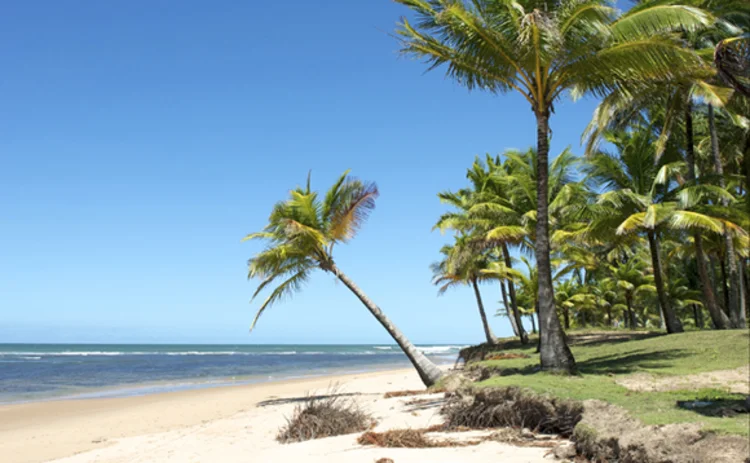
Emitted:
pixel 491 339
pixel 428 371
pixel 718 317
pixel 671 321
pixel 735 303
pixel 554 351
pixel 512 292
pixel 508 310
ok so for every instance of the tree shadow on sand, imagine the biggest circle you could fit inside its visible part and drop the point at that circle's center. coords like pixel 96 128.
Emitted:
pixel 303 399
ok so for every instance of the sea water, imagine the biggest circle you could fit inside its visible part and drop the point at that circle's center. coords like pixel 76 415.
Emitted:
pixel 32 372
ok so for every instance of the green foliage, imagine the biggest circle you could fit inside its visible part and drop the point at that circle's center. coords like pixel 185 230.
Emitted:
pixel 302 232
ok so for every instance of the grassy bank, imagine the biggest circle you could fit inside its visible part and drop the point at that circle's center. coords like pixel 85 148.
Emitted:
pixel 606 359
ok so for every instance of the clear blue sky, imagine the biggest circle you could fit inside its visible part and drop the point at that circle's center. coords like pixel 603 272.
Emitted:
pixel 140 141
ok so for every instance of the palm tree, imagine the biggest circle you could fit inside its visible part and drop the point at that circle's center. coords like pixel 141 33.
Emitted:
pixel 641 199
pixel 677 96
pixel 301 235
pixel 470 215
pixel 464 265
pixel 732 58
pixel 632 279
pixel 541 49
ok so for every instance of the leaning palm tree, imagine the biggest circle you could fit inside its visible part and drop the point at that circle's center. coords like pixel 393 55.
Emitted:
pixel 542 49
pixel 301 235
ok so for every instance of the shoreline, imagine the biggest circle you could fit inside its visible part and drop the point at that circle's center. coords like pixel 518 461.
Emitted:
pixel 41 431
pixel 121 391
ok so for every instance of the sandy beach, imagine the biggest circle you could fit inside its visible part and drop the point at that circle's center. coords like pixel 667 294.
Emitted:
pixel 227 424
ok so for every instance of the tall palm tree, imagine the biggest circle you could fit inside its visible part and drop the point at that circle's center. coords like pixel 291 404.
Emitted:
pixel 463 264
pixel 301 235
pixel 541 49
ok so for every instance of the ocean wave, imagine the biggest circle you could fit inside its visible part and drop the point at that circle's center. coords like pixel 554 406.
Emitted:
pixel 440 349
pixel 375 350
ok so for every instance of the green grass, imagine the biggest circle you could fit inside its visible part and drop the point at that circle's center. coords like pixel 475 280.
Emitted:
pixel 602 362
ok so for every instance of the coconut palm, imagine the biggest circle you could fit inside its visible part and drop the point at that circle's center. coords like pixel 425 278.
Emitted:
pixel 541 49
pixel 476 211
pixel 679 96
pixel 632 279
pixel 640 198
pixel 463 264
pixel 301 235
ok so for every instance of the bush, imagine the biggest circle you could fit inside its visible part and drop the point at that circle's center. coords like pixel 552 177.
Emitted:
pixel 512 407
pixel 325 416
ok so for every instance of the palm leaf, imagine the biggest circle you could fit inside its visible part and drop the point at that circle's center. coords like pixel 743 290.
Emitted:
pixel 286 288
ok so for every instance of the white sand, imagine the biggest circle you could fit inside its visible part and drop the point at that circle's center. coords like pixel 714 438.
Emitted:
pixel 230 424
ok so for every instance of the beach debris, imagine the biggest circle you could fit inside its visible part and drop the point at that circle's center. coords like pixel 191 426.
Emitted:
pixel 512 407
pixel 324 416
pixel 392 394
pixel 410 439
pixel 384 460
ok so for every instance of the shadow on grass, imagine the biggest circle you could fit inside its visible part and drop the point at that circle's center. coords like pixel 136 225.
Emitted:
pixel 637 361
pixel 576 339
pixel 631 362
pixel 303 399
pixel 715 407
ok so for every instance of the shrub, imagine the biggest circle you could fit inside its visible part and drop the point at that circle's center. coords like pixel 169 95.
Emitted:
pixel 325 416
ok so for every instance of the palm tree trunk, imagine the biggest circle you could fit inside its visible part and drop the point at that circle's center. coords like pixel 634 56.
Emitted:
pixel 709 297
pixel 697 317
pixel 533 324
pixel 491 339
pixel 631 312
pixel 724 284
pixel 555 354
pixel 512 293
pixel 508 310
pixel 744 302
pixel 428 371
pixel 566 317
pixel 735 304
pixel 671 321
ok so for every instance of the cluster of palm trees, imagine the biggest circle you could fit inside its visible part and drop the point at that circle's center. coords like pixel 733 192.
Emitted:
pixel 646 229
pixel 651 65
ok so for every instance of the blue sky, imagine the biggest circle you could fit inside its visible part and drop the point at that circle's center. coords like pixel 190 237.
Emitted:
pixel 140 141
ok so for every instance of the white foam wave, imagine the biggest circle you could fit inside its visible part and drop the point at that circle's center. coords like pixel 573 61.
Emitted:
pixel 440 349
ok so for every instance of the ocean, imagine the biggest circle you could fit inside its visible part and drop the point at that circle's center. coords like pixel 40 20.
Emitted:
pixel 34 372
